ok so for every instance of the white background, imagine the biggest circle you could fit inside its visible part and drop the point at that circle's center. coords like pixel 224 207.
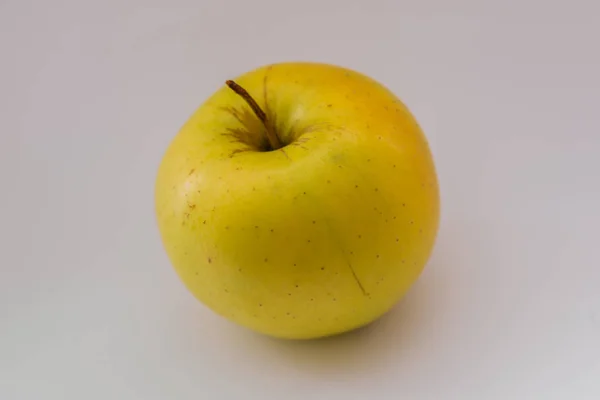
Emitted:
pixel 92 92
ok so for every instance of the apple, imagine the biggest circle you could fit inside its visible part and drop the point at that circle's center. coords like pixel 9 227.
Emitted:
pixel 299 201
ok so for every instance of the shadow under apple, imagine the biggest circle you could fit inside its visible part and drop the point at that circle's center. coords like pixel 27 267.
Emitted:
pixel 397 336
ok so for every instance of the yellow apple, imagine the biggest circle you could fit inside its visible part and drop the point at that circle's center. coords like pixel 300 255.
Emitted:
pixel 300 200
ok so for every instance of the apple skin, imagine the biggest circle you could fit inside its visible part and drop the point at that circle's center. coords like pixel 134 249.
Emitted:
pixel 320 237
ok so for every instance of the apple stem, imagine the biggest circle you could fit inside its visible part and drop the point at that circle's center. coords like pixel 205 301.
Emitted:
pixel 274 141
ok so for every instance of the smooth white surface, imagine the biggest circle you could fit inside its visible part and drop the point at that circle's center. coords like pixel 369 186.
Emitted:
pixel 91 93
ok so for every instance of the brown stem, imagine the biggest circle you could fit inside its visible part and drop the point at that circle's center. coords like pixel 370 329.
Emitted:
pixel 271 134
